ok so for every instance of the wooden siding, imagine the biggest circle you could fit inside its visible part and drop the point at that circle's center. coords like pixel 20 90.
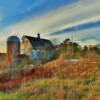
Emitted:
pixel 26 46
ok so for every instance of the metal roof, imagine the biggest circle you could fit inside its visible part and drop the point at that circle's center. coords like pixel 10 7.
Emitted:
pixel 13 39
pixel 39 43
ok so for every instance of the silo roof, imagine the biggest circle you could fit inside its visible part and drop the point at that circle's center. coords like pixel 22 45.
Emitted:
pixel 14 39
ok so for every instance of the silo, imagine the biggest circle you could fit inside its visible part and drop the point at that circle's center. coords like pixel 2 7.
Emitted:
pixel 13 50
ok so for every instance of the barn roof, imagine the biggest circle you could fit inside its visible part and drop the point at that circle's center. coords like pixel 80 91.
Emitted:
pixel 39 43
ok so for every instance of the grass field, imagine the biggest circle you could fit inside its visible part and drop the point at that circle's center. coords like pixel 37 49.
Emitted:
pixel 56 80
pixel 56 89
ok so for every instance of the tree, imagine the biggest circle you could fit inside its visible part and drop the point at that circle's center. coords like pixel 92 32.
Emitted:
pixel 66 41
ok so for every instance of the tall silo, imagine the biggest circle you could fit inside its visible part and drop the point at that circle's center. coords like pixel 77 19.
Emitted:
pixel 13 50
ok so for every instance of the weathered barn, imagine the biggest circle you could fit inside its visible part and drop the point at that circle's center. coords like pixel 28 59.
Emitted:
pixel 36 47
pixel 13 50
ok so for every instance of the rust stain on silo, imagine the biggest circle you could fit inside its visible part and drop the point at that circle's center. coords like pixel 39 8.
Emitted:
pixel 13 50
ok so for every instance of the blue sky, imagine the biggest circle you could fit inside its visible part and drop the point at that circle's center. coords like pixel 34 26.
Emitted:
pixel 13 11
pixel 54 19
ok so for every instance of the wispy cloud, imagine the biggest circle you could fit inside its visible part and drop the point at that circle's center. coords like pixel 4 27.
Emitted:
pixel 57 19
pixel 83 25
pixel 64 17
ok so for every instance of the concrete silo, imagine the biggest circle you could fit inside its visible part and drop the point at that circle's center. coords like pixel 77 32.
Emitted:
pixel 13 50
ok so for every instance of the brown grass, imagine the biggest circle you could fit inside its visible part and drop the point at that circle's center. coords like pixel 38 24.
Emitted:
pixel 60 68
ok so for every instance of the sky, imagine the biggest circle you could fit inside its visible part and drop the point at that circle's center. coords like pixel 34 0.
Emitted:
pixel 53 19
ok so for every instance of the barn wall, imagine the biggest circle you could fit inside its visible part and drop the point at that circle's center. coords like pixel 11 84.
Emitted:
pixel 26 46
pixel 42 54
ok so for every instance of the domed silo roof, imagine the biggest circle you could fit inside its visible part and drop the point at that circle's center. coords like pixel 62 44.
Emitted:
pixel 13 39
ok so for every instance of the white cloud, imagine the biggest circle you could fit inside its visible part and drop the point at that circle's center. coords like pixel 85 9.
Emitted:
pixel 67 16
pixel 89 42
pixel 2 38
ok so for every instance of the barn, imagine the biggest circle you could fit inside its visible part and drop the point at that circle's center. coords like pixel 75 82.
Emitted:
pixel 37 47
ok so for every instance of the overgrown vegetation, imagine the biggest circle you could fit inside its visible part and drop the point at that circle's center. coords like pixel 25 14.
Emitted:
pixel 56 89
pixel 72 50
pixel 59 79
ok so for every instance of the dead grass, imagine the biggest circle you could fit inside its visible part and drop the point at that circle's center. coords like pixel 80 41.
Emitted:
pixel 57 80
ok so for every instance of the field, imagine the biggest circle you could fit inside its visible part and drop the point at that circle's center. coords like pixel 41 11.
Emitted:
pixel 57 80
